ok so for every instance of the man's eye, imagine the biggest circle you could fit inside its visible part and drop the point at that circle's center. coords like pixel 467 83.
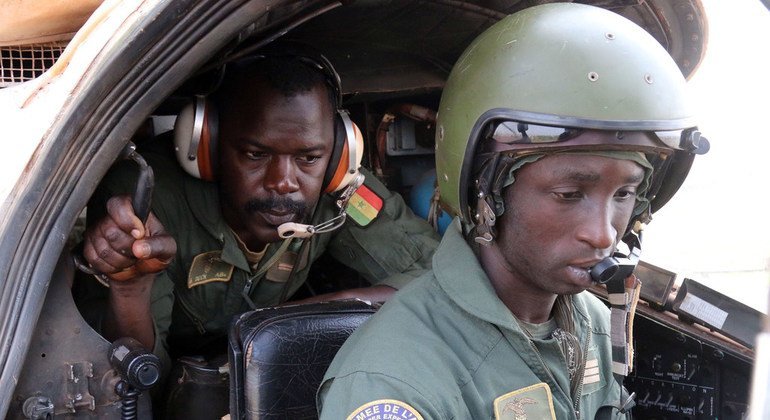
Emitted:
pixel 625 194
pixel 569 195
pixel 255 155
pixel 309 158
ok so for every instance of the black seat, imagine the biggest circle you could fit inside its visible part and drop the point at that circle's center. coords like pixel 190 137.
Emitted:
pixel 278 356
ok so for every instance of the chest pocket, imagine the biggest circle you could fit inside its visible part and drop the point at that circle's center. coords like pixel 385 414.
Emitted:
pixel 203 298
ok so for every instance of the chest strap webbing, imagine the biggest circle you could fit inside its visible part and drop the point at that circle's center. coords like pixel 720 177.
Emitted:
pixel 623 297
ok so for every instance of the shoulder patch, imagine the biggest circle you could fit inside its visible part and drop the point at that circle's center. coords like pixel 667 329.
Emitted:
pixel 364 206
pixel 532 402
pixel 385 410
pixel 208 267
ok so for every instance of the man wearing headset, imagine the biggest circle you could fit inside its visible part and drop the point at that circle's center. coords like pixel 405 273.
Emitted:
pixel 560 129
pixel 210 249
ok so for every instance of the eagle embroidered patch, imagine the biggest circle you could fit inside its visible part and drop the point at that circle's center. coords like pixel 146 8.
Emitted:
pixel 532 402
pixel 364 206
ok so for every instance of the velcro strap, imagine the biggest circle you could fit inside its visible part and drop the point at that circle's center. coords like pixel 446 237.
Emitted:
pixel 619 368
pixel 622 324
pixel 618 299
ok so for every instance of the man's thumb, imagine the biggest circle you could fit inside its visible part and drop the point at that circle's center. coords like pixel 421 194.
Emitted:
pixel 141 249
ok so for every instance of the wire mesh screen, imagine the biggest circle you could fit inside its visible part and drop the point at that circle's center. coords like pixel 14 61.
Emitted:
pixel 26 62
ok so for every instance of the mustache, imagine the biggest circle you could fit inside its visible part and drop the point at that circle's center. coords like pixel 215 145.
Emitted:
pixel 278 203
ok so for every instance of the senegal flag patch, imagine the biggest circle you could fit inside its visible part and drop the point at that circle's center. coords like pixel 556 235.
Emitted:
pixel 364 206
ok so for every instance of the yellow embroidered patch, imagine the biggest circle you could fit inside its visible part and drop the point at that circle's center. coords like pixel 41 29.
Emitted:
pixel 208 267
pixel 385 410
pixel 532 402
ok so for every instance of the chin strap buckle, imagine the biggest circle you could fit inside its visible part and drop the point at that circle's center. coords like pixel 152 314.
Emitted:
pixel 485 221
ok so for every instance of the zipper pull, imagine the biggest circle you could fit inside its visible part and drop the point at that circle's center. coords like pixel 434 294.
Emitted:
pixel 247 291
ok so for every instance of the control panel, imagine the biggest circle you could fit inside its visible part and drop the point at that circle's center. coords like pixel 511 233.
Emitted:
pixel 685 372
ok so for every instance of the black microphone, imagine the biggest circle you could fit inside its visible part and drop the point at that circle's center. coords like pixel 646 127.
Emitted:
pixel 135 365
pixel 615 267
pixel 618 266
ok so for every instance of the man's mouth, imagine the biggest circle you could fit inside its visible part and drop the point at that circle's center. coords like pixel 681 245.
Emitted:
pixel 277 217
pixel 583 268
pixel 586 264
pixel 276 211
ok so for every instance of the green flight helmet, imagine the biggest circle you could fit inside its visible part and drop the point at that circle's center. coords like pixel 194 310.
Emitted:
pixel 563 65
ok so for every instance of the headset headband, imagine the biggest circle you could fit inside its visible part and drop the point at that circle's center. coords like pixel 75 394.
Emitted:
pixel 306 55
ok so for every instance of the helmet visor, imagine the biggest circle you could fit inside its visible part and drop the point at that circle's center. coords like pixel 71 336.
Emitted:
pixel 518 135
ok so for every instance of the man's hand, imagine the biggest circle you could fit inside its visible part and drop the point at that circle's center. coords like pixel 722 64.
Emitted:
pixel 121 247
pixel 130 254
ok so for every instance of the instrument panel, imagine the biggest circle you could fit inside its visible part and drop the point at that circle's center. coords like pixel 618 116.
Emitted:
pixel 685 375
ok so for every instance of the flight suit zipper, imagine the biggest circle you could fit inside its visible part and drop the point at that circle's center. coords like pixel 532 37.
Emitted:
pixel 263 267
pixel 582 369
pixel 246 293
pixel 579 390
pixel 191 315
pixel 548 371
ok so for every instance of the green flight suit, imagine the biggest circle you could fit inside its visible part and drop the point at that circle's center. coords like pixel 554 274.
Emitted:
pixel 446 347
pixel 192 312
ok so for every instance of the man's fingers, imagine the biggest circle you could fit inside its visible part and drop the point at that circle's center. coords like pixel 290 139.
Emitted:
pixel 116 238
pixel 121 247
pixel 120 210
pixel 154 226
pixel 161 247
pixel 103 257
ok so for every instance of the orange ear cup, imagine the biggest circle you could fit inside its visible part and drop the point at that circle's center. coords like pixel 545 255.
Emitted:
pixel 342 175
pixel 205 152
pixel 340 171
pixel 195 139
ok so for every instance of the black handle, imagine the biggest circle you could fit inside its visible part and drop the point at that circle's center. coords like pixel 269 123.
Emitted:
pixel 140 202
pixel 142 198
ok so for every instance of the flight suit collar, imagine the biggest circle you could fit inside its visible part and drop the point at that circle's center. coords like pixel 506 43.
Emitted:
pixel 203 199
pixel 460 275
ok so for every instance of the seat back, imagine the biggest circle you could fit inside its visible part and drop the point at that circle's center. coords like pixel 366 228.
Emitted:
pixel 278 356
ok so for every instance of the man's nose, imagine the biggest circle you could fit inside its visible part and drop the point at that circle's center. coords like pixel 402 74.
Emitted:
pixel 281 176
pixel 596 228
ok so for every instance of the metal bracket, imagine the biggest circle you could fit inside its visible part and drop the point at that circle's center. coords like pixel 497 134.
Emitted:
pixel 78 397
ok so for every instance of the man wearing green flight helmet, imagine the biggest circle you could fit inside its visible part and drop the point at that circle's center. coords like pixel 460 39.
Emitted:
pixel 560 130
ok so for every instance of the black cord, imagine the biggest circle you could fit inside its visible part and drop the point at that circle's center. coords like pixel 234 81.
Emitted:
pixel 129 397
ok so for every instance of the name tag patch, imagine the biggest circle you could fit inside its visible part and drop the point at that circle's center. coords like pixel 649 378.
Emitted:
pixel 385 410
pixel 532 402
pixel 208 267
